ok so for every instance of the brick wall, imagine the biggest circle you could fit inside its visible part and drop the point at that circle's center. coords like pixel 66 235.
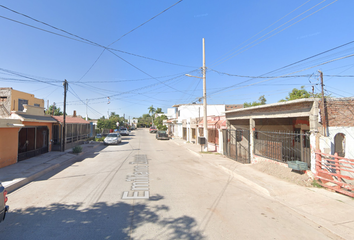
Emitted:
pixel 340 112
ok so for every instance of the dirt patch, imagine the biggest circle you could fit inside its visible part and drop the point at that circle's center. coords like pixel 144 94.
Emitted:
pixel 283 173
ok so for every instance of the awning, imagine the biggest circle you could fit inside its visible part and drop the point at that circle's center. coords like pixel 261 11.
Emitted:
pixel 222 124
pixel 211 124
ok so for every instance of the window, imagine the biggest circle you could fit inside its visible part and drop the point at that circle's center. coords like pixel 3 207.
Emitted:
pixel 37 105
pixel 20 104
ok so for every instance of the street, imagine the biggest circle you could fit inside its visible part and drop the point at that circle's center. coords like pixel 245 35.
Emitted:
pixel 144 188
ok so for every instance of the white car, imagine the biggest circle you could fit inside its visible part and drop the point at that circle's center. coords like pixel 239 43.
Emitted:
pixel 112 138
pixel 124 132
pixel 3 199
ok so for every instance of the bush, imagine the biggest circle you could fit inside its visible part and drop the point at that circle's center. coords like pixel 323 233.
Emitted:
pixel 99 139
pixel 77 149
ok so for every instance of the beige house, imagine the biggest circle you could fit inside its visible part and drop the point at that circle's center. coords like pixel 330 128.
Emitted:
pixel 13 100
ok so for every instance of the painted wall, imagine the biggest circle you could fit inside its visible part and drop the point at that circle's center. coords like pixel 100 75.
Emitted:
pixel 15 95
pixel 327 143
pixel 171 113
pixel 8 146
pixel 193 110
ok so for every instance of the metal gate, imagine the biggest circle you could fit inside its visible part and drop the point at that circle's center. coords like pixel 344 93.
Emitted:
pixel 237 144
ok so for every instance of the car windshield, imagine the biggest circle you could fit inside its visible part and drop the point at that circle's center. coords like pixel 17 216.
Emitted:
pixel 112 135
pixel 123 129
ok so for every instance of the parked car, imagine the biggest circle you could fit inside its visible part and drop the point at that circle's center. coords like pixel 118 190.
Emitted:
pixel 99 135
pixel 3 199
pixel 153 129
pixel 112 138
pixel 162 135
pixel 124 132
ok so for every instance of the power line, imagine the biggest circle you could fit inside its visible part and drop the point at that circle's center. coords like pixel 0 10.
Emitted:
pixel 143 87
pixel 280 30
pixel 146 22
pixel 125 35
pixel 22 75
pixel 227 88
pixel 282 76
pixel 262 31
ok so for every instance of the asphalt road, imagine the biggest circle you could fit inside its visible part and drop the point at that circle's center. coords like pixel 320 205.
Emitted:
pixel 148 189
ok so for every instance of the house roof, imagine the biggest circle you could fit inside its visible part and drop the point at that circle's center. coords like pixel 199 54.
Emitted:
pixel 70 119
pixel 32 118
pixel 274 105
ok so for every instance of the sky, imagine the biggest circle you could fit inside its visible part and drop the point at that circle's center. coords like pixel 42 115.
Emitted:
pixel 125 56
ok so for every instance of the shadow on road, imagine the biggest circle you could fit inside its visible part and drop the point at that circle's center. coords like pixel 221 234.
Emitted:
pixel 100 221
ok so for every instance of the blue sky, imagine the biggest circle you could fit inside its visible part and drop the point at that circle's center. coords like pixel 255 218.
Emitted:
pixel 156 48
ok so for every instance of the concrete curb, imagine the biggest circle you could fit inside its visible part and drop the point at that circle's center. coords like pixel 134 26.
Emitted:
pixel 248 182
pixel 14 186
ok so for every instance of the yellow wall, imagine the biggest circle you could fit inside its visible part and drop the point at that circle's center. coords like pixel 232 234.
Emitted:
pixel 8 146
pixel 15 95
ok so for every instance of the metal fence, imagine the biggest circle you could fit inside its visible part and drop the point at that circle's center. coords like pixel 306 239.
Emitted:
pixel 283 146
pixel 237 144
pixel 337 171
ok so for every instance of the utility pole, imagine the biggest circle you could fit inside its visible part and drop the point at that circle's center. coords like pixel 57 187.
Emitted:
pixel 205 101
pixel 65 84
pixel 324 119
pixel 86 110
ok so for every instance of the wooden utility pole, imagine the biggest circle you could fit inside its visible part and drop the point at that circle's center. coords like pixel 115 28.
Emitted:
pixel 324 118
pixel 65 84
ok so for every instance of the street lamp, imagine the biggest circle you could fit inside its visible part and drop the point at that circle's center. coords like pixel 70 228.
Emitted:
pixel 205 128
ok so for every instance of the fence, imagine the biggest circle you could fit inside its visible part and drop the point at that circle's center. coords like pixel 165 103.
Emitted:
pixel 336 173
pixel 283 146
pixel 237 144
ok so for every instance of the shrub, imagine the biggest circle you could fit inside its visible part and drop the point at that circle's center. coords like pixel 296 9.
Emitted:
pixel 77 149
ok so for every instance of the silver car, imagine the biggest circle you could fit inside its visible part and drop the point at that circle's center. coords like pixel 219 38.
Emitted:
pixel 112 138
pixel 124 132
pixel 3 200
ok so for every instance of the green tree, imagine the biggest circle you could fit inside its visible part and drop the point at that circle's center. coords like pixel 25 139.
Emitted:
pixel 54 110
pixel 158 110
pixel 261 101
pixel 159 123
pixel 152 110
pixel 144 121
pixel 300 93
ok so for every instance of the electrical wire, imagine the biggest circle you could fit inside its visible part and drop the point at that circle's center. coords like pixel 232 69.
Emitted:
pixel 22 75
pixel 333 60
pixel 277 32
pixel 261 31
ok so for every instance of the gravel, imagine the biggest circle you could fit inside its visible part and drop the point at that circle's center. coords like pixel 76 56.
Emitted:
pixel 283 173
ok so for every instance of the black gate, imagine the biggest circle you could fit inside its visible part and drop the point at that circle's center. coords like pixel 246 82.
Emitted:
pixel 33 141
pixel 237 144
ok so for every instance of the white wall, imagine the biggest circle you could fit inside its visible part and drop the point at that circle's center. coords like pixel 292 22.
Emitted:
pixel 171 113
pixel 193 110
pixel 349 139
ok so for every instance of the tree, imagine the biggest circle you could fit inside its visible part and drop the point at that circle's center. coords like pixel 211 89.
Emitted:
pixel 300 93
pixel 53 110
pixel 261 101
pixel 159 123
pixel 158 110
pixel 152 110
pixel 144 120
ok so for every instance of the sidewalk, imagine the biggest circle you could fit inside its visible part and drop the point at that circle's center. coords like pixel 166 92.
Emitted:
pixel 326 209
pixel 21 173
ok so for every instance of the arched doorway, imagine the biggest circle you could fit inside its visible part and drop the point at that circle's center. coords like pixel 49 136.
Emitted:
pixel 339 144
